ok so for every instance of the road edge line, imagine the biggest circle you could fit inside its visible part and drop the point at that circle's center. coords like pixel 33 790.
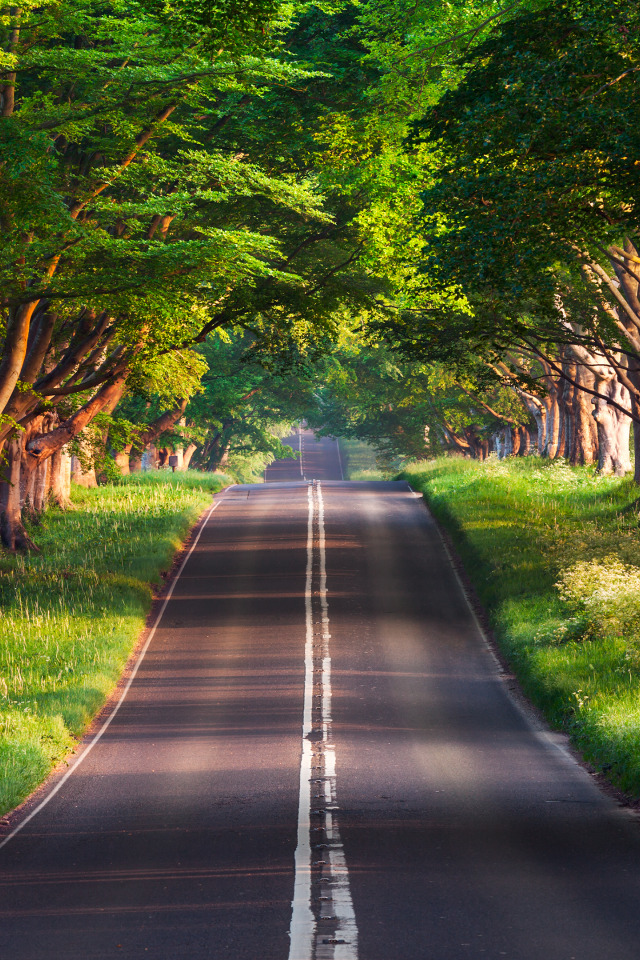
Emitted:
pixel 531 715
pixel 105 725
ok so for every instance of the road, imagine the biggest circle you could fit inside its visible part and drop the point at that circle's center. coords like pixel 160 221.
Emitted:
pixel 319 758
pixel 318 459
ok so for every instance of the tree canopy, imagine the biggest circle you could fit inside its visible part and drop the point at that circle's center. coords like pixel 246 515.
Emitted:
pixel 453 184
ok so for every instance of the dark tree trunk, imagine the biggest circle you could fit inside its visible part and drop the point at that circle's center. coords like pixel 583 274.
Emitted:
pixel 220 448
pixel 584 445
pixel 12 531
pixel 166 421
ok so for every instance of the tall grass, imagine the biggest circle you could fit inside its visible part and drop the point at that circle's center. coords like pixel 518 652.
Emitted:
pixel 546 547
pixel 70 615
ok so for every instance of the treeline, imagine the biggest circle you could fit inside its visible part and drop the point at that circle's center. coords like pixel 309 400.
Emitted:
pixel 411 222
pixel 528 272
pixel 166 186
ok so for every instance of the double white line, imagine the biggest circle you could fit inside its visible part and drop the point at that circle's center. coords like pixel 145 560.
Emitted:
pixel 323 923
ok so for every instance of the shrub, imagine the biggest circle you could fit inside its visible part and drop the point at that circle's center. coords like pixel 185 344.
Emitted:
pixel 607 593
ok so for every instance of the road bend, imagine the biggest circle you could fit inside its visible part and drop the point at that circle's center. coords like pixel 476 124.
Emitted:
pixel 318 759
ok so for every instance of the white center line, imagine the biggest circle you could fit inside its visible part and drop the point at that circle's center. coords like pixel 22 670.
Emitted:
pixel 323 923
pixel 340 459
pixel 303 923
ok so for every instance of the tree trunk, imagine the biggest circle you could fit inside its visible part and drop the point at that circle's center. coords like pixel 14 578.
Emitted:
pixel 613 428
pixel 83 477
pixel 219 454
pixel 122 460
pixel 42 476
pixel 541 422
pixel 61 479
pixel 188 454
pixel 634 376
pixel 224 459
pixel 12 532
pixel 33 475
pixel 15 349
pixel 27 485
pixel 566 400
pixel 552 424
pixel 636 450
pixel 42 486
pixel 166 421
pixel 585 438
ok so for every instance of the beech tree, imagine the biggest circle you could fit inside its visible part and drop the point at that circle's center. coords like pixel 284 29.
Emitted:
pixel 530 212
pixel 246 400
pixel 146 203
pixel 414 410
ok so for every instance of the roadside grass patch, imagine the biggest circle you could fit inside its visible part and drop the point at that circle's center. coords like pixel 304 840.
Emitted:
pixel 553 552
pixel 70 615
pixel 363 462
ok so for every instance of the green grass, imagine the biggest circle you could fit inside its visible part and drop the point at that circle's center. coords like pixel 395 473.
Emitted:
pixel 522 525
pixel 362 462
pixel 71 614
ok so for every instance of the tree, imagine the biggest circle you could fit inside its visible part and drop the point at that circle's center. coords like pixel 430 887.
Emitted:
pixel 413 410
pixel 526 214
pixel 137 217
pixel 243 405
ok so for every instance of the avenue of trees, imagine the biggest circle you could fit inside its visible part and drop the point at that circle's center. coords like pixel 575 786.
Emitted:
pixel 410 221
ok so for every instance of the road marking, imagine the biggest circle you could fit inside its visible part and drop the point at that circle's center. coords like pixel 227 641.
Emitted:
pixel 323 923
pixel 542 733
pixel 83 756
pixel 303 923
pixel 340 459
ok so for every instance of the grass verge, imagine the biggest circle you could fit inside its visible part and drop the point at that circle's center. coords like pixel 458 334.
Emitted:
pixel 70 616
pixel 554 555
pixel 362 462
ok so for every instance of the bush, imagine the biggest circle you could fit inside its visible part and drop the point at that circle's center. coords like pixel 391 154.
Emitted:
pixel 607 593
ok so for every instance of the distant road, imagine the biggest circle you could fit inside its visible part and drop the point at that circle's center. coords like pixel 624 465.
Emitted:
pixel 320 459
pixel 318 759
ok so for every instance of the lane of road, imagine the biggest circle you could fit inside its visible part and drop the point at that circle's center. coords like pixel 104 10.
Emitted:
pixel 466 833
pixel 176 837
pixel 318 459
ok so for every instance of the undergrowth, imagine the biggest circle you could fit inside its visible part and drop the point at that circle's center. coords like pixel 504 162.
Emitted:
pixel 554 554
pixel 70 615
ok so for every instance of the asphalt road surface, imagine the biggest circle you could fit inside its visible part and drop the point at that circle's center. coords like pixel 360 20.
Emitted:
pixel 318 758
pixel 318 459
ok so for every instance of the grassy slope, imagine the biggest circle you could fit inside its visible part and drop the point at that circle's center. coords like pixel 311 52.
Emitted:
pixel 70 615
pixel 518 525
